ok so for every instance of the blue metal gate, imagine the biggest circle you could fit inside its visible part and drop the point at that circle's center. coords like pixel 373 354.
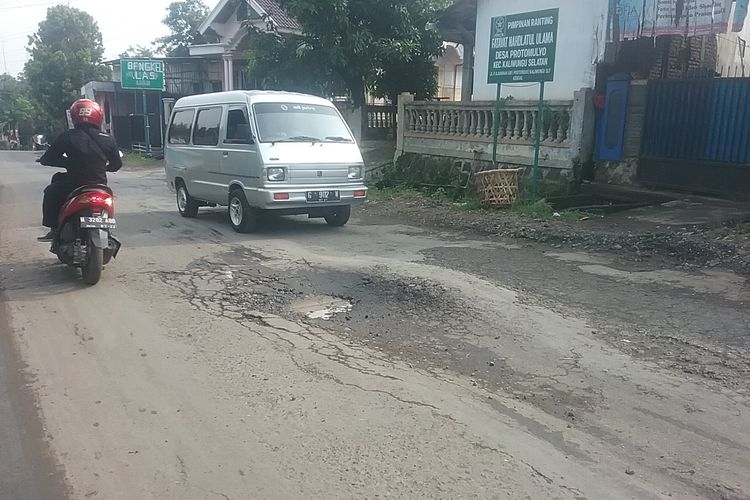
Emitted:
pixel 696 135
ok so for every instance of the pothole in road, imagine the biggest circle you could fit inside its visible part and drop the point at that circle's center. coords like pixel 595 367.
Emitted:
pixel 321 307
pixel 413 319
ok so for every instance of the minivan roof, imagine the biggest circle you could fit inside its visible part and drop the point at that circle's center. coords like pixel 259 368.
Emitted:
pixel 249 96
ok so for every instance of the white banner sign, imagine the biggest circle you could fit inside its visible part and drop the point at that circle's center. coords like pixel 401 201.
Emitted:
pixel 649 18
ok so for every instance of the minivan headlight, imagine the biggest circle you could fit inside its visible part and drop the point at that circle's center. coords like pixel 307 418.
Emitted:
pixel 355 172
pixel 276 174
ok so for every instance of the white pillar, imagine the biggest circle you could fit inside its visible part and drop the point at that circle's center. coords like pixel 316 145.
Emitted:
pixel 467 84
pixel 231 73
pixel 227 83
pixel 401 122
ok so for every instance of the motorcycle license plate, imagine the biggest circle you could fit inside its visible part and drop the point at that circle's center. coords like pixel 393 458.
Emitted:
pixel 318 196
pixel 98 223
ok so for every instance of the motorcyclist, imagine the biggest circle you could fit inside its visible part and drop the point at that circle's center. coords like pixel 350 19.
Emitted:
pixel 85 152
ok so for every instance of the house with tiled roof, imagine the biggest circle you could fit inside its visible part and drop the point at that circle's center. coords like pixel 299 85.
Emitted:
pixel 230 20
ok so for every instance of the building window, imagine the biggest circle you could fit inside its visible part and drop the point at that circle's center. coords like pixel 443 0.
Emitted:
pixel 179 130
pixel 207 127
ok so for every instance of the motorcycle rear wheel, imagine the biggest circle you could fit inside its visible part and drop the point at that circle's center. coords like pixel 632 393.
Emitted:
pixel 92 270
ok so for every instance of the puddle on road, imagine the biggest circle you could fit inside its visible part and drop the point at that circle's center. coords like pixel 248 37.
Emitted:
pixel 321 307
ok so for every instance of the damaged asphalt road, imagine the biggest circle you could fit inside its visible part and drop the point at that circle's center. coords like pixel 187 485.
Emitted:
pixel 689 246
pixel 379 360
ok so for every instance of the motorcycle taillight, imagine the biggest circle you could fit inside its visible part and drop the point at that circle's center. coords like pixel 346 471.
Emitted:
pixel 97 199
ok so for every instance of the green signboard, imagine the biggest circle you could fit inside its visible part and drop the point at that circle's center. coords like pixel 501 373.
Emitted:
pixel 142 74
pixel 522 47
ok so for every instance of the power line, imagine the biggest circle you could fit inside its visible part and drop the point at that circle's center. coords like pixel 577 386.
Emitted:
pixel 28 6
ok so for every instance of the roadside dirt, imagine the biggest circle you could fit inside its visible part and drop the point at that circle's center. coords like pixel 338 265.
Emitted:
pixel 718 246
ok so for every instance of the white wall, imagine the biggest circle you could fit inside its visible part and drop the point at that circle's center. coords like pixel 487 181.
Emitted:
pixel 730 61
pixel 581 38
pixel 450 73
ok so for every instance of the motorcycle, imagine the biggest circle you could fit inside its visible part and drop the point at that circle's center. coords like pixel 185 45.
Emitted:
pixel 84 237
pixel 40 142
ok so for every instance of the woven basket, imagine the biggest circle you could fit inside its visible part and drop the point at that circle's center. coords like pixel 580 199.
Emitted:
pixel 497 188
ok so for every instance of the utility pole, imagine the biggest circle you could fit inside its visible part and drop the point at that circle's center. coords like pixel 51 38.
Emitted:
pixel 5 61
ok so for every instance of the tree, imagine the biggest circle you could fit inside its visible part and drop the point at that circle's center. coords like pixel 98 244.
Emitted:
pixel 183 19
pixel 381 45
pixel 137 51
pixel 278 62
pixel 17 109
pixel 66 52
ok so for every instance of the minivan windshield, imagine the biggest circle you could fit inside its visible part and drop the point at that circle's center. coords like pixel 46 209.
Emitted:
pixel 297 122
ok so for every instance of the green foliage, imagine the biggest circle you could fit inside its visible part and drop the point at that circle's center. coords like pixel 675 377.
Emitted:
pixel 352 45
pixel 16 106
pixel 183 19
pixel 469 202
pixel 137 51
pixel 539 209
pixel 423 172
pixel 66 52
pixel 136 160
pixel 283 63
pixel 393 193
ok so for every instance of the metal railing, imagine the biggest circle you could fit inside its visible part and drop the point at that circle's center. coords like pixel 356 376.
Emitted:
pixel 140 148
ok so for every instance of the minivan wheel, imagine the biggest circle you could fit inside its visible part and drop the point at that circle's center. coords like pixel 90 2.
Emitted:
pixel 338 216
pixel 186 204
pixel 242 217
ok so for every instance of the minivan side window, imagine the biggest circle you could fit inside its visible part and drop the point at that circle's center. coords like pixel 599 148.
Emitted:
pixel 206 131
pixel 182 123
pixel 238 127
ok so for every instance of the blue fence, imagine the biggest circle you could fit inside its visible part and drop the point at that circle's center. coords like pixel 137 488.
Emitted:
pixel 706 120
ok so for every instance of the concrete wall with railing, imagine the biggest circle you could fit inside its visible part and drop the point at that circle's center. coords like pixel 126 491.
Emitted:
pixel 464 131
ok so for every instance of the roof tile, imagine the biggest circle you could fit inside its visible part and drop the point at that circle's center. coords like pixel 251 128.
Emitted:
pixel 279 15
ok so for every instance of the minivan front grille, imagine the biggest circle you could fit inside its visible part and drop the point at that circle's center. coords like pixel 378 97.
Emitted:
pixel 319 174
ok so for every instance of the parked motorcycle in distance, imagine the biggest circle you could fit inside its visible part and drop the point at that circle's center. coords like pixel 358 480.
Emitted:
pixel 40 142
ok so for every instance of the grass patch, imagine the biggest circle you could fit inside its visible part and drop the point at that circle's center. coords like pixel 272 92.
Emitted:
pixel 469 203
pixel 539 209
pixel 573 215
pixel 542 209
pixel 136 160
pixel 394 193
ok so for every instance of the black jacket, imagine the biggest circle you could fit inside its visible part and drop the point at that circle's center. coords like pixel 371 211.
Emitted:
pixel 90 155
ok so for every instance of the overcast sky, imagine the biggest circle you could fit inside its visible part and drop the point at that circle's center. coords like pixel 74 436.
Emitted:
pixel 122 23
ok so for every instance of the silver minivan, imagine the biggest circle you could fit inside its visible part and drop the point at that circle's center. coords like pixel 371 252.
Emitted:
pixel 257 151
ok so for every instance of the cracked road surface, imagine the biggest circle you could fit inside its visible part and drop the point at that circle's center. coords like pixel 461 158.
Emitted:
pixel 377 360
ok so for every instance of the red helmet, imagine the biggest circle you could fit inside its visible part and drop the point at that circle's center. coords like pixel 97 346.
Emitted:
pixel 86 111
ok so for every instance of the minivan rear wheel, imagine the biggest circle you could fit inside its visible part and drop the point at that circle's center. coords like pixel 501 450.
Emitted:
pixel 242 217
pixel 338 216
pixel 186 204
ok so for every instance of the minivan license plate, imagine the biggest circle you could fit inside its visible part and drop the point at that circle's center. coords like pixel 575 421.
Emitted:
pixel 317 196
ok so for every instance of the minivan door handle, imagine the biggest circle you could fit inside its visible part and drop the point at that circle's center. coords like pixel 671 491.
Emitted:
pixel 225 155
